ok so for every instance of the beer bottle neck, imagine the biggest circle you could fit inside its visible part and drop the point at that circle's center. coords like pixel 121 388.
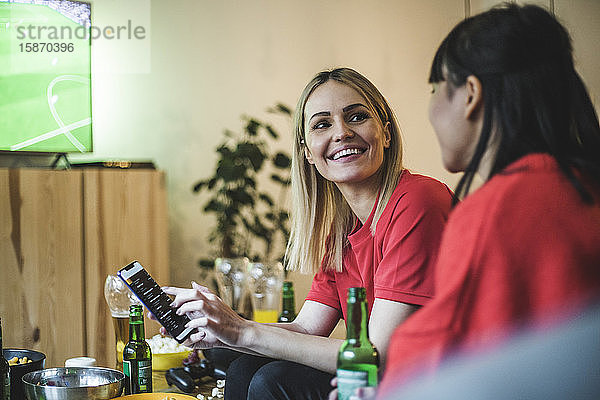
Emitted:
pixel 136 324
pixel 1 335
pixel 357 328
pixel 288 302
pixel 136 331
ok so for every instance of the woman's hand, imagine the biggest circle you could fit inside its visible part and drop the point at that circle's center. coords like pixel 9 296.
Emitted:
pixel 215 322
pixel 362 393
pixel 333 395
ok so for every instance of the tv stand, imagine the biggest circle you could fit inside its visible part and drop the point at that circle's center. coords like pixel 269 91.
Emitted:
pixel 31 159
pixel 61 234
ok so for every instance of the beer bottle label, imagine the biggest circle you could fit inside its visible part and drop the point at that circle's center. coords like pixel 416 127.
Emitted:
pixel 349 381
pixel 127 372
pixel 145 376
pixel 139 376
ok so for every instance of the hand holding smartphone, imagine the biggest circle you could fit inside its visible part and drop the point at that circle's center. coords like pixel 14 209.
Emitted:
pixel 156 301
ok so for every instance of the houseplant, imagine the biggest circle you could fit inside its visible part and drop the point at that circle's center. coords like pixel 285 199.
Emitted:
pixel 250 222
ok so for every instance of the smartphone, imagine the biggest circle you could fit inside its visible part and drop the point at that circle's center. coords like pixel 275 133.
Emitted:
pixel 156 301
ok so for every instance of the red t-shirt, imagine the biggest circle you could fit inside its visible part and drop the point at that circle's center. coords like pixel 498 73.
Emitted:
pixel 397 263
pixel 518 250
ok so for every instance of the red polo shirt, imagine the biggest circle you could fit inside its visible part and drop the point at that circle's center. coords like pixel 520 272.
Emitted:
pixel 397 262
pixel 518 250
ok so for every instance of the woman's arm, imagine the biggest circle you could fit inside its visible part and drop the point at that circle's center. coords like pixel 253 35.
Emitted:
pixel 304 340
pixel 385 317
pixel 313 319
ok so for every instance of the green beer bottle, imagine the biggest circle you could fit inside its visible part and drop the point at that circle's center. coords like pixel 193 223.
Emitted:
pixel 137 357
pixel 358 359
pixel 4 372
pixel 288 309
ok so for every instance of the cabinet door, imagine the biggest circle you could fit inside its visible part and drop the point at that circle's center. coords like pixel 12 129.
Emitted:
pixel 125 220
pixel 41 294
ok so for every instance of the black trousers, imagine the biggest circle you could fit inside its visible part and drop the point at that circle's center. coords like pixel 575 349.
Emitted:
pixel 252 378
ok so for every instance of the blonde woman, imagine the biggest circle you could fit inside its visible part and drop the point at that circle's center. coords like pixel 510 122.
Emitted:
pixel 359 219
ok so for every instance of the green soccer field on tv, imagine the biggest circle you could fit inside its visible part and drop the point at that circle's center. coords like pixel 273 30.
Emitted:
pixel 45 73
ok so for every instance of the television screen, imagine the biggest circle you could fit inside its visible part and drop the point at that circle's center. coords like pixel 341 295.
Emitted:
pixel 45 72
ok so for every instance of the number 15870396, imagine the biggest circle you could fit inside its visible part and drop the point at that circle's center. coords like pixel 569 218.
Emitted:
pixel 46 47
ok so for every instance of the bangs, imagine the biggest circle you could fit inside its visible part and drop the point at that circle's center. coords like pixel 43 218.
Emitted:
pixel 436 74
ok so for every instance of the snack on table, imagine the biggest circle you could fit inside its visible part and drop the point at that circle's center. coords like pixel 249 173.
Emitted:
pixel 164 344
pixel 18 361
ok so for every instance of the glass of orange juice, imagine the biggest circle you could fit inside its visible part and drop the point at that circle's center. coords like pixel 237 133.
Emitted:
pixel 265 280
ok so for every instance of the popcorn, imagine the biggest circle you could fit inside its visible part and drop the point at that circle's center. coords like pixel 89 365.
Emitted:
pixel 218 393
pixel 163 344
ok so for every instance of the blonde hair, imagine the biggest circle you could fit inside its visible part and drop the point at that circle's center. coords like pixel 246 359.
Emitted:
pixel 321 217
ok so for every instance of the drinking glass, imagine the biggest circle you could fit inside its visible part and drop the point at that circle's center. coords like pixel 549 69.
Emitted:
pixel 231 275
pixel 119 298
pixel 265 280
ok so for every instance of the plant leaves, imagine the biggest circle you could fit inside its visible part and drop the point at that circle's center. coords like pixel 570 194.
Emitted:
pixel 250 182
pixel 266 198
pixel 230 212
pixel 214 206
pixel 241 196
pixel 224 151
pixel 253 153
pixel 228 171
pixel 234 195
pixel 212 183
pixel 280 108
pixel 199 185
pixel 282 161
pixel 260 229
pixel 246 223
pixel 252 126
pixel 272 131
pixel 280 180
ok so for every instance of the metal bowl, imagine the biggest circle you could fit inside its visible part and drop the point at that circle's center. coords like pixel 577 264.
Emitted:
pixel 17 371
pixel 74 383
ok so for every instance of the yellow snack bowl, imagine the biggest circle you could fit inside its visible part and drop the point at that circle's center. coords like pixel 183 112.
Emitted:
pixel 164 361
pixel 156 396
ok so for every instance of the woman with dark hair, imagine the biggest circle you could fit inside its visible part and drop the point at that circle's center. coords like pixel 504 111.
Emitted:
pixel 359 218
pixel 524 248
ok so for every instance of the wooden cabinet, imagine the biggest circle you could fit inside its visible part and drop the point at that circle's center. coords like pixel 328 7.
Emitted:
pixel 61 234
pixel 41 270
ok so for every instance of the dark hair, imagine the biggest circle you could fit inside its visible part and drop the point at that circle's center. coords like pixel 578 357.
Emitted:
pixel 533 97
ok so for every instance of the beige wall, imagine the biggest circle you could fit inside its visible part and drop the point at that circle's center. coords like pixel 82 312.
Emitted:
pixel 212 61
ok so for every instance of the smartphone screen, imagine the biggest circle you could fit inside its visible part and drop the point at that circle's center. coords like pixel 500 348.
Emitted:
pixel 158 302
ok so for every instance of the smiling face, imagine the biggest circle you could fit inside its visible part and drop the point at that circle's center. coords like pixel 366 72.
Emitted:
pixel 344 138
